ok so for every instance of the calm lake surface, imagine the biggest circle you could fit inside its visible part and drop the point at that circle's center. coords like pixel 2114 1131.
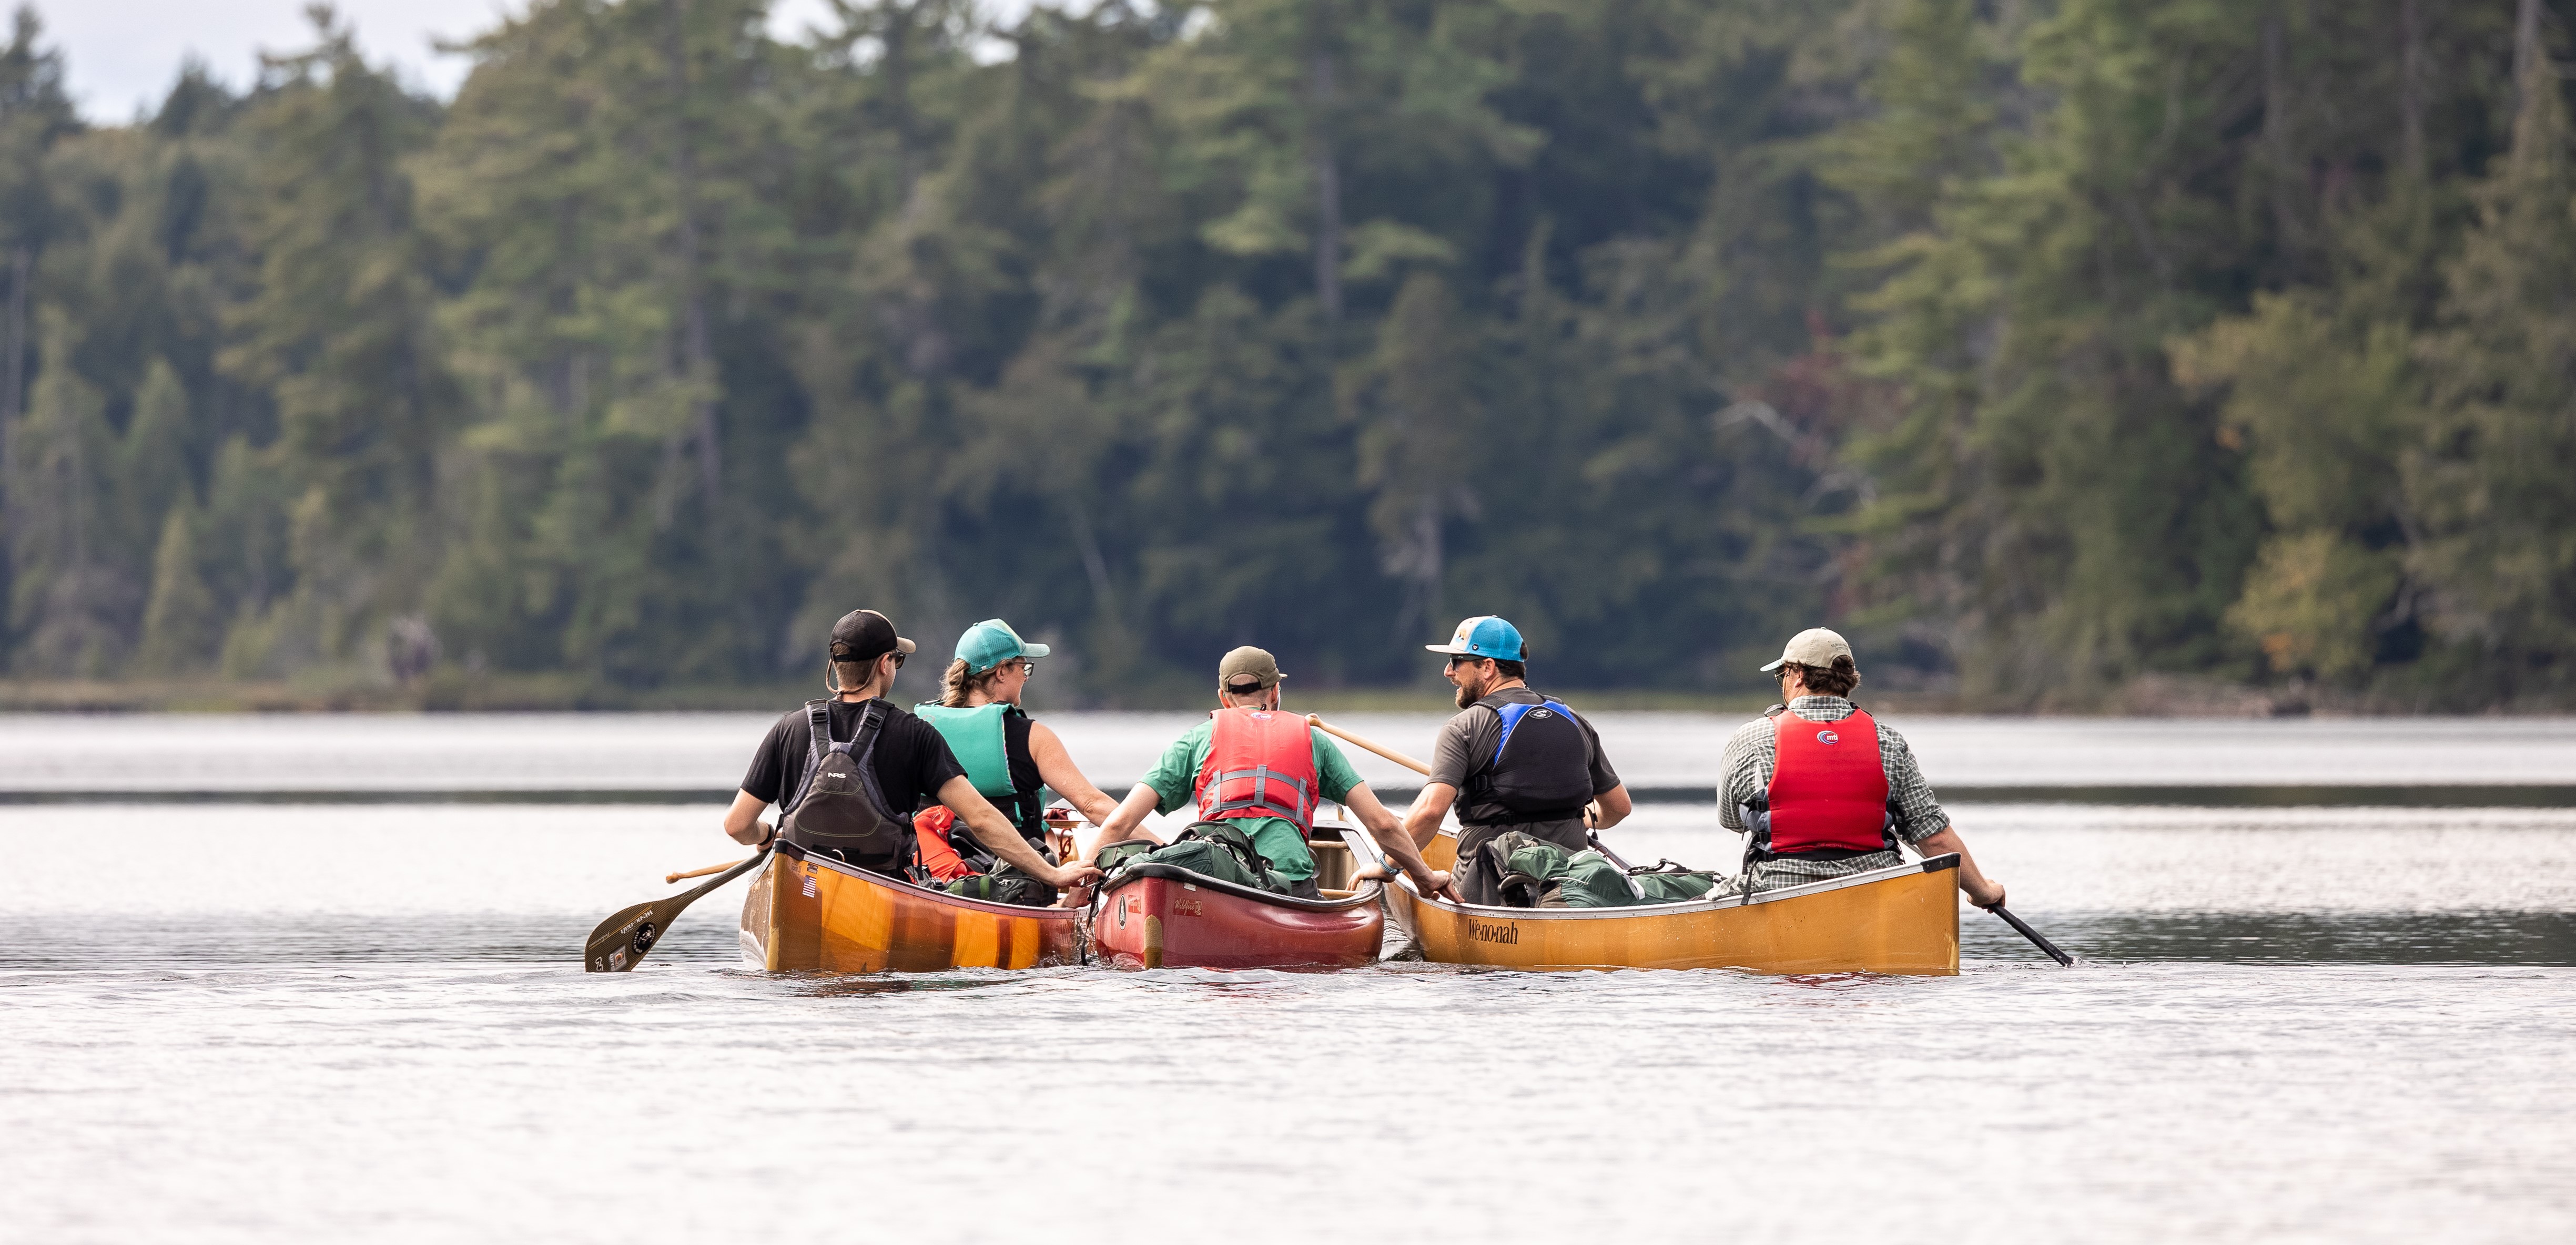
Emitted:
pixel 260 1018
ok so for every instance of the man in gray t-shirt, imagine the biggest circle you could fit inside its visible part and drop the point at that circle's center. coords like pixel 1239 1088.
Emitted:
pixel 1555 783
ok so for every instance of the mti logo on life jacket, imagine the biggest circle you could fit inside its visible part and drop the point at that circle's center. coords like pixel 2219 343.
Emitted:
pixel 1541 713
pixel 1828 738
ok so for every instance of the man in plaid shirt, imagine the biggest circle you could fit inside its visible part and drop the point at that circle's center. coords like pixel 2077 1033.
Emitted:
pixel 1817 676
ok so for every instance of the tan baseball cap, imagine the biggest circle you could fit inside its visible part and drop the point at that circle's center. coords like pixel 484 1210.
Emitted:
pixel 1249 663
pixel 1814 646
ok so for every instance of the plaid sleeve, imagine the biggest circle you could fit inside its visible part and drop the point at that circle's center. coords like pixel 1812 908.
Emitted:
pixel 1905 785
pixel 1746 771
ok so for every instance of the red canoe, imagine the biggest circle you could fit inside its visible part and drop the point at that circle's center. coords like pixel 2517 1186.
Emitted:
pixel 1159 916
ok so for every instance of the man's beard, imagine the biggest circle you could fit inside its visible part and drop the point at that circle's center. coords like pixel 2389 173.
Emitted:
pixel 1466 696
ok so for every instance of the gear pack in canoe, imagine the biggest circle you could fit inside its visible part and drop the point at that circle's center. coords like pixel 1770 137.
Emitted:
pixel 1210 849
pixel 1538 874
pixel 939 863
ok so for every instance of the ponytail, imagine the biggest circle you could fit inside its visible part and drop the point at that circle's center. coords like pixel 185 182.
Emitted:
pixel 955 684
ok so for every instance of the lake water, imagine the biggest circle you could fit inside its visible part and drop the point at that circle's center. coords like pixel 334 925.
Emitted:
pixel 258 1019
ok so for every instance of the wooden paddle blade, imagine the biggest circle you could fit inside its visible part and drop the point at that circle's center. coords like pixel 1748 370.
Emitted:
pixel 621 942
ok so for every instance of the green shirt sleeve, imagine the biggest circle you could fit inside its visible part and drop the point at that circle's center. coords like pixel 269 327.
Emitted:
pixel 1175 778
pixel 1333 772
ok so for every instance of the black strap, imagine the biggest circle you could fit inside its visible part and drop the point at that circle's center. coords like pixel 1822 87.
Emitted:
pixel 818 732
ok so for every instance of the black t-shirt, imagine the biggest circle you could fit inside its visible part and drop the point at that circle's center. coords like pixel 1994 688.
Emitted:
pixel 912 762
pixel 1466 746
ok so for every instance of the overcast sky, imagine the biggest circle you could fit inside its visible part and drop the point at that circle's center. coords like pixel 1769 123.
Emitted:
pixel 123 54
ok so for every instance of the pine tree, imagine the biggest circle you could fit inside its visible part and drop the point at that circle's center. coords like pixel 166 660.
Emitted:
pixel 74 605
pixel 340 329
pixel 2489 476
pixel 183 627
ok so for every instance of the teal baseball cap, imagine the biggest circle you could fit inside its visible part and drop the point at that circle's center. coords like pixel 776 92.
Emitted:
pixel 990 643
pixel 1484 636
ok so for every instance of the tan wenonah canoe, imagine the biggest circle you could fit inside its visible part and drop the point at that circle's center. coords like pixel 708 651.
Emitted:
pixel 814 914
pixel 1901 920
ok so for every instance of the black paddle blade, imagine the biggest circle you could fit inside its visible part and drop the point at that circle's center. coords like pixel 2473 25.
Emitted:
pixel 621 942
pixel 2033 935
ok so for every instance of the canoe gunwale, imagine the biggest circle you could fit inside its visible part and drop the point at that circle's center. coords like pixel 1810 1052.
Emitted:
pixel 1934 864
pixel 1366 894
pixel 910 890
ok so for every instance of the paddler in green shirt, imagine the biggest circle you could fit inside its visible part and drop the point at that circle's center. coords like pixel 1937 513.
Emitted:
pixel 1264 771
pixel 1013 759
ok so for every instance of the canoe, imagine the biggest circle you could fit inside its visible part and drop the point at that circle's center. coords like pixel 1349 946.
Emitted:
pixel 1903 920
pixel 810 913
pixel 1161 916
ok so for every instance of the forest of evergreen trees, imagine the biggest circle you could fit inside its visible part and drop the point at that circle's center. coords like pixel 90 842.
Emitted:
pixel 2040 344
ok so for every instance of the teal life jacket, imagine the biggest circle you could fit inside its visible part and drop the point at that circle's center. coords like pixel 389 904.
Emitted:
pixel 980 737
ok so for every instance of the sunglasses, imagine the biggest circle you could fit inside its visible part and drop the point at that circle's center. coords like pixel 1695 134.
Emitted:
pixel 1460 659
pixel 899 657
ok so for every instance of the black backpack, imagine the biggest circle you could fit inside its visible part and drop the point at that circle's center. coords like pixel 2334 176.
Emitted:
pixel 838 808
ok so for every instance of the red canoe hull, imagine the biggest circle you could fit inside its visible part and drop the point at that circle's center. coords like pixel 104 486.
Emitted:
pixel 1167 922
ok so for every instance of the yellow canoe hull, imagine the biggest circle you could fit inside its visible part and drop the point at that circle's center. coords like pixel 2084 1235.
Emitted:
pixel 814 914
pixel 1900 921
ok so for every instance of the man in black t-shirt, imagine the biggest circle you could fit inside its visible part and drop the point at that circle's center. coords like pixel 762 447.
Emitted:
pixel 913 764
pixel 1485 665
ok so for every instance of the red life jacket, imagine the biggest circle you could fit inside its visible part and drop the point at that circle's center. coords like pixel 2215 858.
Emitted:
pixel 1260 763
pixel 938 857
pixel 1829 789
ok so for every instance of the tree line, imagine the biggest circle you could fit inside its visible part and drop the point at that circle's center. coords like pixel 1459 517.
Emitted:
pixel 2041 345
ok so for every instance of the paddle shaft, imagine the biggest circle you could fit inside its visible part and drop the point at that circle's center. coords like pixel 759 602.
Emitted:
pixel 1378 748
pixel 698 873
pixel 2033 935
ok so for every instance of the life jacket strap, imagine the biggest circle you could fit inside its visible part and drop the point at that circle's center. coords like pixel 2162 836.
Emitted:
pixel 1262 776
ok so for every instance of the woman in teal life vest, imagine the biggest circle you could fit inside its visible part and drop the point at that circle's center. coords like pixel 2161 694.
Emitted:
pixel 1010 757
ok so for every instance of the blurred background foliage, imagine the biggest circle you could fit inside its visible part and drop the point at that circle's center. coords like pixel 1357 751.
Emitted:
pixel 2049 347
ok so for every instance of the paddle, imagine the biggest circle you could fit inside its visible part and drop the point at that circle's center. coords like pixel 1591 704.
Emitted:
pixel 2033 935
pixel 621 941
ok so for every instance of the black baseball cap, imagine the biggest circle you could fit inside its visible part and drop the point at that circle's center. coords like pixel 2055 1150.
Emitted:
pixel 865 635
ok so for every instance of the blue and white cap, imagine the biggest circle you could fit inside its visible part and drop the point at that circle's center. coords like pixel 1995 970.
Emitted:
pixel 1484 636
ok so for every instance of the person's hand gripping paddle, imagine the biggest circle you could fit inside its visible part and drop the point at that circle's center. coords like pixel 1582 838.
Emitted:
pixel 621 942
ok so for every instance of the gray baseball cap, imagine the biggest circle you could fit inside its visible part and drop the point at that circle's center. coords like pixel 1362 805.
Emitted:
pixel 1814 646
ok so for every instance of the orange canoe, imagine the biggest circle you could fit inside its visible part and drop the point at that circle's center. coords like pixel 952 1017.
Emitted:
pixel 815 914
pixel 1903 920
